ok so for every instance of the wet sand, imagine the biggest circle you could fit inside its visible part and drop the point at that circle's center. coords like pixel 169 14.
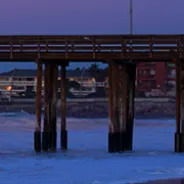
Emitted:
pixel 88 149
pixel 166 181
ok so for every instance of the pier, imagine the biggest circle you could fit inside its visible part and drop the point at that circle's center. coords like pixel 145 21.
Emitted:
pixel 121 52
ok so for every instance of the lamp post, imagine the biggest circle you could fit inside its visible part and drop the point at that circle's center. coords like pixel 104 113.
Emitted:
pixel 13 73
pixel 131 17
pixel 82 74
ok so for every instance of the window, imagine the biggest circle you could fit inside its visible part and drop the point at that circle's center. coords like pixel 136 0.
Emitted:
pixel 171 73
pixel 30 79
pixel 172 82
pixel 170 64
pixel 152 72
pixel 6 79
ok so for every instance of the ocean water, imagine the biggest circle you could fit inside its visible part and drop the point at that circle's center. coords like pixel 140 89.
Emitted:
pixel 87 160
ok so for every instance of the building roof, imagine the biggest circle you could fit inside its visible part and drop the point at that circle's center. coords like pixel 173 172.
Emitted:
pixel 32 73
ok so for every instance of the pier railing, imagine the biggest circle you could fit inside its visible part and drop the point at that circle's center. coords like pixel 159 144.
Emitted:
pixel 97 47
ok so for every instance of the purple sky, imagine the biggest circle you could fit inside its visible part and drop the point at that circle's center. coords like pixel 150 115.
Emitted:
pixel 89 17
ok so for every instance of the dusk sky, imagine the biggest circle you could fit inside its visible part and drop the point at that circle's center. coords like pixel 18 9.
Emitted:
pixel 88 17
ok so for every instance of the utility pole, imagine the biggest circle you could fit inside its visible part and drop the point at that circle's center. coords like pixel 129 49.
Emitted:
pixel 131 23
pixel 13 73
pixel 81 83
pixel 131 17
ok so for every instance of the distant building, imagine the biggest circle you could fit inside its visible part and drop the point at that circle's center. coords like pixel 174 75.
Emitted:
pixel 155 75
pixel 20 80
pixel 149 76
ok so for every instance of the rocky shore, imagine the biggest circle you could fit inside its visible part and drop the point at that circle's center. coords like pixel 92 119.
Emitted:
pixel 100 109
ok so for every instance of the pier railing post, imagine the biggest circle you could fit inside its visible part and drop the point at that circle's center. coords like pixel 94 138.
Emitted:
pixel 37 133
pixel 64 133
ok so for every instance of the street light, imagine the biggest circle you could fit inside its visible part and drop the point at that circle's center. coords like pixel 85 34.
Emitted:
pixel 131 17
pixel 13 73
pixel 81 84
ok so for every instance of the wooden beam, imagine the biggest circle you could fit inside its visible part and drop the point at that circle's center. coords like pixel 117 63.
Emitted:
pixel 83 56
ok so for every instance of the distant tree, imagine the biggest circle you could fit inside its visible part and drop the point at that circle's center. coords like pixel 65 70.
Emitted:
pixel 98 73
pixel 78 69
pixel 94 67
pixel 105 72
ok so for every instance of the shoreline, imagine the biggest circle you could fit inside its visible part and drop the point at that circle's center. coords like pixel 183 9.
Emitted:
pixel 146 110
pixel 164 181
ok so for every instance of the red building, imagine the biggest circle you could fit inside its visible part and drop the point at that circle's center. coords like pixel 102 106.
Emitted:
pixel 155 75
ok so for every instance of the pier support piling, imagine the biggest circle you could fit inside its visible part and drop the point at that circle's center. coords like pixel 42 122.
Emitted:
pixel 182 103
pixel 45 136
pixel 127 92
pixel 131 71
pixel 123 82
pixel 49 106
pixel 121 106
pixel 37 133
pixel 114 132
pixel 111 146
pixel 178 109
pixel 53 106
pixel 64 133
pixel 49 136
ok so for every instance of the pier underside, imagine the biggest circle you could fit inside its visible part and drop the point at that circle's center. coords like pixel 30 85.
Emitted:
pixel 121 52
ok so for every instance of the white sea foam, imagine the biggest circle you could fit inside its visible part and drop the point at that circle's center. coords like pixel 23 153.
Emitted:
pixel 87 160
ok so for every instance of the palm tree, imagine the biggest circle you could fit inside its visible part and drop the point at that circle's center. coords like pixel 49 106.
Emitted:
pixel 94 70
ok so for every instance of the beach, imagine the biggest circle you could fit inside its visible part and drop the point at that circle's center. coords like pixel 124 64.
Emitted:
pixel 87 160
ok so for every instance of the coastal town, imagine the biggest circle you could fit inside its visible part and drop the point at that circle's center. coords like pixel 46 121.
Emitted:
pixel 87 91
pixel 150 82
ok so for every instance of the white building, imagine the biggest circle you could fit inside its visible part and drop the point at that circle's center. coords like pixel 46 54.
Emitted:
pixel 18 81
